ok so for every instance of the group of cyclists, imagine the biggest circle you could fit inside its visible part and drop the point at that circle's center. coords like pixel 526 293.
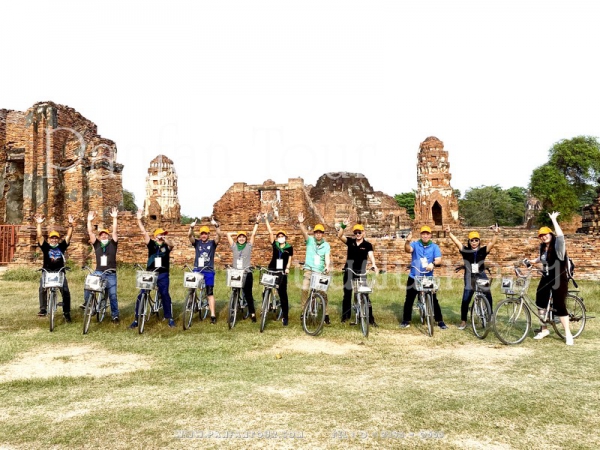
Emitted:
pixel 425 256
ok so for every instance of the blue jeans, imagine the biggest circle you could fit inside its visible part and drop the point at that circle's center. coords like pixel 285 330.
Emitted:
pixel 111 284
pixel 468 294
pixel 162 283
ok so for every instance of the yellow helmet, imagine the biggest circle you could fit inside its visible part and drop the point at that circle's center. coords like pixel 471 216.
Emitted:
pixel 281 232
pixel 544 230
pixel 319 227
pixel 425 229
pixel 54 233
pixel 159 231
pixel 474 235
pixel 242 233
pixel 204 229
pixel 358 227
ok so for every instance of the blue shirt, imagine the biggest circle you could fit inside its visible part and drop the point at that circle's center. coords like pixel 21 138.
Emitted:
pixel 421 256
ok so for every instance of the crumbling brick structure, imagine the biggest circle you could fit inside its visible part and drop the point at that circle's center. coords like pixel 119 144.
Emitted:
pixel 54 162
pixel 162 203
pixel 590 217
pixel 435 202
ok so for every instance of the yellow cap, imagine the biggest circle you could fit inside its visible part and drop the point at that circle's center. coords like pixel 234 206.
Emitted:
pixel 242 233
pixel 54 233
pixel 544 230
pixel 281 232
pixel 103 230
pixel 204 229
pixel 319 227
pixel 359 227
pixel 425 229
pixel 159 231
pixel 473 235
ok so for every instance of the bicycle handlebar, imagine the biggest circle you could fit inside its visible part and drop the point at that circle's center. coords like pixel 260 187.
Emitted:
pixel 92 271
pixel 65 268
pixel 359 274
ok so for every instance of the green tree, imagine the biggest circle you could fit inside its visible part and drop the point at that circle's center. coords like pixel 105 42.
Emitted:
pixel 186 220
pixel 567 181
pixel 487 205
pixel 407 200
pixel 129 201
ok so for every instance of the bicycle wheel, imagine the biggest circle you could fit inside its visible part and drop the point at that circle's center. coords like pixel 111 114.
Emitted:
pixel 313 316
pixel 156 305
pixel 576 310
pixel 277 309
pixel 188 309
pixel 143 311
pixel 233 307
pixel 51 307
pixel 244 310
pixel 481 314
pixel 90 309
pixel 101 306
pixel 422 308
pixel 429 313
pixel 266 303
pixel 203 309
pixel 511 321
pixel 364 314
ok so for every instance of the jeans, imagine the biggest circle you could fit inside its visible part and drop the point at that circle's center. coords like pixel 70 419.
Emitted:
pixel 162 283
pixel 111 285
pixel 468 295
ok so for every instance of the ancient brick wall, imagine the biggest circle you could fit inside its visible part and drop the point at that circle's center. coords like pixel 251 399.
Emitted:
pixel 162 202
pixel 590 220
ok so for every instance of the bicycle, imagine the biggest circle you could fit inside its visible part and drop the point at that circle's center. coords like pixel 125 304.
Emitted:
pixel 361 288
pixel 481 310
pixel 148 304
pixel 52 282
pixel 270 298
pixel 512 317
pixel 193 302
pixel 426 286
pixel 313 314
pixel 96 303
pixel 237 299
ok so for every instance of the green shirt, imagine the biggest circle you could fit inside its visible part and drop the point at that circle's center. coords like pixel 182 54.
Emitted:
pixel 315 254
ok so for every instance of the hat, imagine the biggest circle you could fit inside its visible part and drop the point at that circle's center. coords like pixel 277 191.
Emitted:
pixel 242 233
pixel 359 227
pixel 473 235
pixel 159 231
pixel 544 230
pixel 281 232
pixel 103 230
pixel 54 233
pixel 425 229
pixel 319 227
pixel 204 229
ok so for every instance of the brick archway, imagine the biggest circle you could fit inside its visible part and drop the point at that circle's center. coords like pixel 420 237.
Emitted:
pixel 437 213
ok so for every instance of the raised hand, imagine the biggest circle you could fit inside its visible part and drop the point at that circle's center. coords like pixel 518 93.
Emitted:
pixel 193 224
pixel 71 219
pixel 39 218
pixel 91 216
pixel 114 212
pixel 300 217
pixel 139 214
pixel 447 228
pixel 553 215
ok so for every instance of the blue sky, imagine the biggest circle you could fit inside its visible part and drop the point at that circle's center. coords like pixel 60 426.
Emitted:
pixel 255 90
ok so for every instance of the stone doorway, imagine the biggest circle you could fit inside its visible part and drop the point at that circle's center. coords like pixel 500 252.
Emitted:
pixel 436 213
pixel 14 177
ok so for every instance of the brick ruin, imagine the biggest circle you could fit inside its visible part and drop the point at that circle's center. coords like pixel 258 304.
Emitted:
pixel 54 162
pixel 161 203
pixel 435 202
pixel 590 217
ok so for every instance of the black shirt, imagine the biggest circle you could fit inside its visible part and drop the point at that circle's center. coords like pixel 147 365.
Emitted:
pixel 111 254
pixel 471 256
pixel 54 258
pixel 358 255
pixel 163 251
pixel 281 253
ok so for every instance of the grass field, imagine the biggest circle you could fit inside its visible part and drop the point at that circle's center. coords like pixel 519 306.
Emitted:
pixel 209 387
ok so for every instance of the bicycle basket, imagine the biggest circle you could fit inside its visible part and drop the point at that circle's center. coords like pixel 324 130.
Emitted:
pixel 483 283
pixel 94 283
pixel 319 281
pixel 362 285
pixel 235 278
pixel 427 283
pixel 145 280
pixel 53 279
pixel 269 280
pixel 193 280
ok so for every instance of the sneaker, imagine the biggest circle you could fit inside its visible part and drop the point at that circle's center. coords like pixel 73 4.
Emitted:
pixel 67 317
pixel 569 340
pixel 116 320
pixel 171 323
pixel 42 313
pixel 133 325
pixel 284 322
pixel 442 325
pixel 542 334
pixel 327 321
pixel 462 326
pixel 213 320
pixel 404 325
pixel 82 306
pixel 253 318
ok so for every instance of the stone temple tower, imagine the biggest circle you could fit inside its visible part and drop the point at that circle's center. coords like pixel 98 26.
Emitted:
pixel 161 203
pixel 435 202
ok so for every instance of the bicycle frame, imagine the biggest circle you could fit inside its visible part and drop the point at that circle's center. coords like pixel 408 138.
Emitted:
pixel 50 291
pixel 193 302
pixel 236 279
pixel 97 301
pixel 270 302
pixel 313 313
pixel 360 291
pixel 150 301
pixel 426 286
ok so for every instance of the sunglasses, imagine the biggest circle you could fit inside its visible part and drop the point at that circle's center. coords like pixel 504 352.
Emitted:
pixel 474 240
pixel 358 232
